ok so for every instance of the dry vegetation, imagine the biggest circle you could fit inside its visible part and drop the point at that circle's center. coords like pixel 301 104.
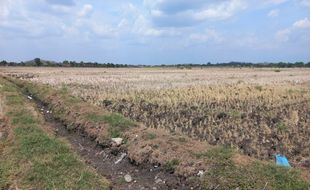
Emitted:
pixel 259 111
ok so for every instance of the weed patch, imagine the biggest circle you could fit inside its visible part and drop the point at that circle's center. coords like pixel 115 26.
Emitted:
pixel 182 139
pixel 224 174
pixel 14 99
pixel 117 123
pixel 219 153
pixel 235 114
pixel 150 136
pixel 170 166
pixel 281 126
pixel 259 88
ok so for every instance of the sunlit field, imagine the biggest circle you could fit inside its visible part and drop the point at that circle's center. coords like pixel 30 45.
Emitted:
pixel 258 111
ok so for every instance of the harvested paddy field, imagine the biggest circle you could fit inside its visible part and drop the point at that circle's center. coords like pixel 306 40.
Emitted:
pixel 204 126
pixel 258 111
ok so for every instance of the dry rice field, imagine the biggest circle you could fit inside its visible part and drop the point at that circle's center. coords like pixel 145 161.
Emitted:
pixel 258 111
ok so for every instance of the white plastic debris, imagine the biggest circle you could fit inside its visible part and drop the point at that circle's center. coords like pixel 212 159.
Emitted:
pixel 128 178
pixel 117 141
pixel 159 181
pixel 123 155
pixel 29 97
pixel 200 173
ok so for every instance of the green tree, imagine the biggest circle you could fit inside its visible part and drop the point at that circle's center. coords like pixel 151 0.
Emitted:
pixel 38 62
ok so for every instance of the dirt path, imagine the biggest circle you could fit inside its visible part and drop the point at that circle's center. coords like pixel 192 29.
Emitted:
pixel 113 163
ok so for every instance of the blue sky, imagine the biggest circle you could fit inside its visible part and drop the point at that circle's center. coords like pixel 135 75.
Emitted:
pixel 155 31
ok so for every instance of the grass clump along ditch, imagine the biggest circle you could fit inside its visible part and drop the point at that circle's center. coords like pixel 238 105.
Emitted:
pixel 225 173
pixel 118 124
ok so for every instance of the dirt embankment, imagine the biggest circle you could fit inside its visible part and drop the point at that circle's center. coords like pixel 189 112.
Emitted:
pixel 113 162
pixel 144 145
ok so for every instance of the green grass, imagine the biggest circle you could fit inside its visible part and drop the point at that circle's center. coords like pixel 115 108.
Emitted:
pixel 150 136
pixel 117 123
pixel 14 99
pixel 170 166
pixel 279 177
pixel 225 174
pixel 235 114
pixel 281 126
pixel 35 160
pixel 182 139
pixel 67 98
pixel 22 117
pixel 218 153
pixel 259 88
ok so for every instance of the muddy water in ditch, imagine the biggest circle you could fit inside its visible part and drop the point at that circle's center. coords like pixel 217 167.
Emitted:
pixel 113 163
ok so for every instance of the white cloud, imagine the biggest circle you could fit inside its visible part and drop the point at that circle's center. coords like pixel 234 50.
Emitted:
pixel 136 22
pixel 86 10
pixel 157 13
pixel 87 26
pixel 184 13
pixel 275 2
pixel 16 20
pixel 5 8
pixel 143 27
pixel 273 13
pixel 38 26
pixel 207 35
pixel 283 35
pixel 61 8
pixel 123 23
pixel 222 10
pixel 152 3
pixel 103 30
pixel 303 23
pixel 130 8
pixel 306 2
pixel 90 28
pixel 61 2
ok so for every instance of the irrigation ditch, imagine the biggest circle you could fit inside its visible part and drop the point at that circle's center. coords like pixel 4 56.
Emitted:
pixel 111 161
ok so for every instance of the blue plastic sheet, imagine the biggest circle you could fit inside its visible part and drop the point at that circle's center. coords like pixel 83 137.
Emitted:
pixel 282 161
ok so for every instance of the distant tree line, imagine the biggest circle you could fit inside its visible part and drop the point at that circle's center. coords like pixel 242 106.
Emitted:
pixel 37 62
pixel 243 64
